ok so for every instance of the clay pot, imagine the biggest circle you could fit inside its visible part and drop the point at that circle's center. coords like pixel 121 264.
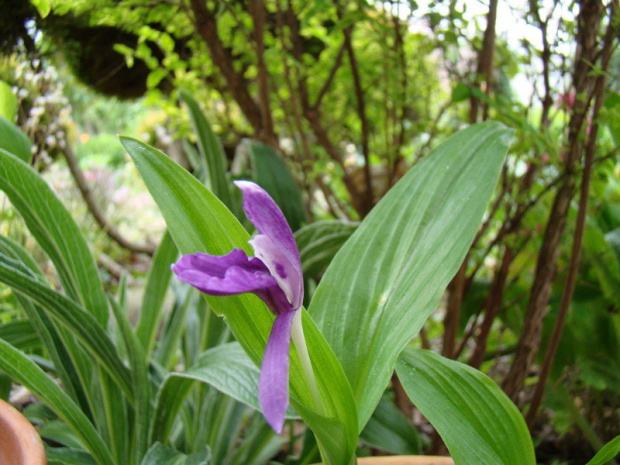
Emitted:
pixel 405 460
pixel 20 443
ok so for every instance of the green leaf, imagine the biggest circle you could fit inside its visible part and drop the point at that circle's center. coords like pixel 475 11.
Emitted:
pixel 55 232
pixel 68 456
pixel 198 221
pixel 23 370
pixel 460 92
pixel 8 103
pixel 44 7
pixel 389 276
pixel 389 429
pixel 20 334
pixel 607 452
pixel 271 173
pixel 82 324
pixel 159 454
pixel 478 423
pixel 318 243
pixel 14 141
pixel 155 292
pixel 213 158
pixel 227 368
pixel 598 252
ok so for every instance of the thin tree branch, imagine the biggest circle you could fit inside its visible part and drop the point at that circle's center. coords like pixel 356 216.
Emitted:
pixel 95 211
pixel 206 27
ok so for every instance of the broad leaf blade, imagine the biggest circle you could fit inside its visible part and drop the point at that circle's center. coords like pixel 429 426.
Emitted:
pixel 14 141
pixel 198 221
pixel 389 276
pixel 478 423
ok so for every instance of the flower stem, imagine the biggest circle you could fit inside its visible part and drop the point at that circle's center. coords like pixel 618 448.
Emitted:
pixel 297 334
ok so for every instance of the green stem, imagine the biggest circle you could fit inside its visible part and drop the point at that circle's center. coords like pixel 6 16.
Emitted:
pixel 297 334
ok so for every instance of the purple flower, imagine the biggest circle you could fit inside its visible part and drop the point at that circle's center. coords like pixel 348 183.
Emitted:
pixel 273 274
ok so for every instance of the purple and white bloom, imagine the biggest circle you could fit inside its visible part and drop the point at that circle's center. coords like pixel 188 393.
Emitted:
pixel 274 274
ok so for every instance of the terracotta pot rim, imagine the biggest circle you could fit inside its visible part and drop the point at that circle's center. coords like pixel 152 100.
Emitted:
pixel 405 460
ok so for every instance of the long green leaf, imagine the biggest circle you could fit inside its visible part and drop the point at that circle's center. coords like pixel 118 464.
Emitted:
pixel 82 324
pixel 389 276
pixel 155 292
pixel 27 373
pixel 607 452
pixel 140 382
pixel 478 423
pixel 198 221
pixel 52 338
pixel 56 232
pixel 211 151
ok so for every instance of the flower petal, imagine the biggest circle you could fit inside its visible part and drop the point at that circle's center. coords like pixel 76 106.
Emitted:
pixel 269 220
pixel 273 381
pixel 280 267
pixel 231 274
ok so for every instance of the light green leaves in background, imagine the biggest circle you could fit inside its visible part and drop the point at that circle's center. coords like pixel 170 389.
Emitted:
pixel 389 276
pixel 478 423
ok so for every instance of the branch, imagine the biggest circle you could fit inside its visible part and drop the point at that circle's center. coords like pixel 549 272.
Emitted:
pixel 267 134
pixel 206 27
pixel 94 209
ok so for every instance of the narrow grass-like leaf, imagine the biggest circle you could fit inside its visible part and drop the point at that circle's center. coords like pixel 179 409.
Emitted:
pixel 211 151
pixel 57 342
pixel 389 276
pixel 140 381
pixel 607 452
pixel 56 233
pixel 26 372
pixel 155 292
pixel 82 324
pixel 198 221
pixel 478 423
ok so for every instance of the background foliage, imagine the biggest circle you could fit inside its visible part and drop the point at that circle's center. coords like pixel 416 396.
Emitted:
pixel 347 97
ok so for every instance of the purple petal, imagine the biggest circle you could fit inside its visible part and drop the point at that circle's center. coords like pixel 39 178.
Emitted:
pixel 269 220
pixel 231 274
pixel 273 380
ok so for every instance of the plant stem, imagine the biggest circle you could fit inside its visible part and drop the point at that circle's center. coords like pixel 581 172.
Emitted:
pixel 297 333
